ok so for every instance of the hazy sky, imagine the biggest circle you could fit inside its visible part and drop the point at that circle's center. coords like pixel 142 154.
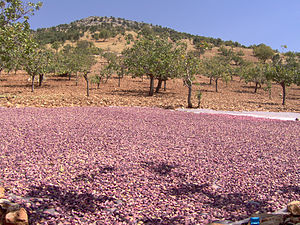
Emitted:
pixel 273 22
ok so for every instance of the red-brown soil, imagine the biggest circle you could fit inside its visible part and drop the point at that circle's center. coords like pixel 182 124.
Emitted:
pixel 15 91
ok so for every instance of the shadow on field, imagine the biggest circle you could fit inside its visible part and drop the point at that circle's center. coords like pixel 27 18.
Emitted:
pixel 69 201
pixel 263 103
pixel 245 91
pixel 130 92
pixel 230 202
pixel 291 189
pixel 293 97
pixel 159 168
pixel 165 220
pixel 17 85
pixel 91 176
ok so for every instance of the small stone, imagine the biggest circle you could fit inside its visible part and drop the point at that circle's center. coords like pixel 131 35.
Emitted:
pixel 28 204
pixel 18 217
pixel 294 208
pixel 5 204
pixel 51 212
pixel 2 192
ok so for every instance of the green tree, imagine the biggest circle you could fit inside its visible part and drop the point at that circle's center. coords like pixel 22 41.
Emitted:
pixel 14 26
pixel 56 45
pixel 37 63
pixel 153 57
pixel 256 73
pixel 84 60
pixel 263 52
pixel 283 71
pixel 216 68
pixel 190 67
pixel 104 34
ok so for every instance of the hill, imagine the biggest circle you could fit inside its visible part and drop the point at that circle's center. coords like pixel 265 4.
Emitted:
pixel 109 27
pixel 115 34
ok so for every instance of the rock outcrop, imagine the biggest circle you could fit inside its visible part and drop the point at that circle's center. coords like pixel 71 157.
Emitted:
pixel 294 208
pixel 11 213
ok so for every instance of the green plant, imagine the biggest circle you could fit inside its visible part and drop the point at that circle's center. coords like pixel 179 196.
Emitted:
pixel 199 97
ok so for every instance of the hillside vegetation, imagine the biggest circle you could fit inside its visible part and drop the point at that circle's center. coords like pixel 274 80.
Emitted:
pixel 107 27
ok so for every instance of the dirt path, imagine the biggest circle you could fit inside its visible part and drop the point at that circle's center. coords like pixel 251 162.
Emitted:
pixel 258 114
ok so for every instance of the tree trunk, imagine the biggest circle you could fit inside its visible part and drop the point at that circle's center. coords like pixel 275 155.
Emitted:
pixel 69 76
pixel 199 103
pixel 87 85
pixel 32 83
pixel 190 105
pixel 217 84
pixel 107 77
pixel 119 83
pixel 98 85
pixel 165 85
pixel 210 80
pixel 283 92
pixel 76 79
pixel 256 87
pixel 158 87
pixel 41 78
pixel 87 88
pixel 151 92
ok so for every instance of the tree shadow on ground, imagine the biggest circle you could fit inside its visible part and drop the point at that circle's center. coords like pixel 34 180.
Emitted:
pixel 91 176
pixel 130 93
pixel 292 98
pixel 231 202
pixel 165 221
pixel 245 91
pixel 291 189
pixel 69 201
pixel 263 103
pixel 211 91
pixel 162 169
pixel 17 85
pixel 248 87
pixel 141 93
pixel 205 84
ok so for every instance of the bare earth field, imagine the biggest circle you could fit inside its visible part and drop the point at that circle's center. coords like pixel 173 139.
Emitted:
pixel 57 91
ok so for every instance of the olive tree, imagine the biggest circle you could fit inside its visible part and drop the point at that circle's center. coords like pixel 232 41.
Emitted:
pixel 256 73
pixel 37 63
pixel 283 71
pixel 190 66
pixel 14 27
pixel 216 68
pixel 84 60
pixel 151 56
pixel 263 52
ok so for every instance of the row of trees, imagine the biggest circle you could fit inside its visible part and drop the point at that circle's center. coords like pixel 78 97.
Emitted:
pixel 151 56
pixel 159 59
